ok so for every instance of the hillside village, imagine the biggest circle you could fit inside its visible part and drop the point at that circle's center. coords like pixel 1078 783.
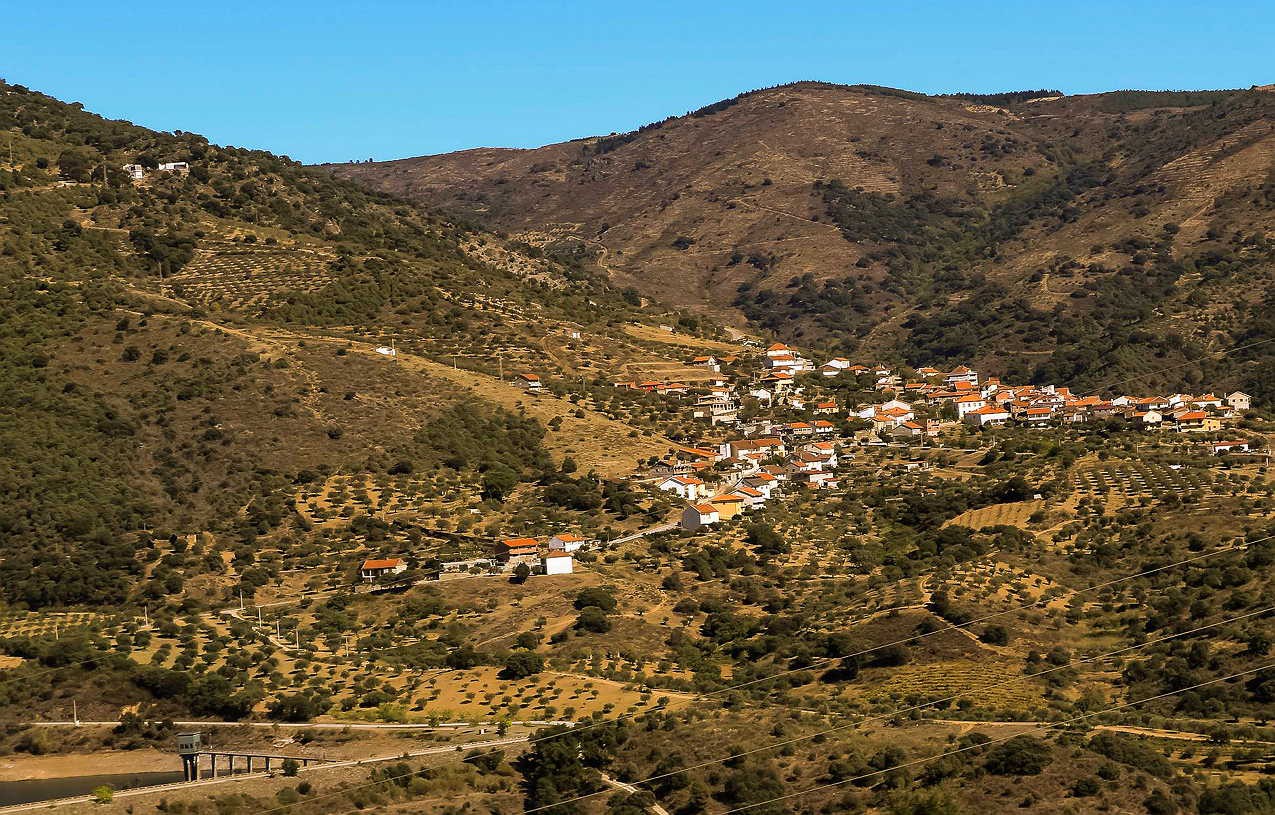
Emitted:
pixel 347 480
pixel 777 422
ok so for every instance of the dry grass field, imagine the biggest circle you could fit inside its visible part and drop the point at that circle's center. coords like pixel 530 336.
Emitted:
pixel 1012 514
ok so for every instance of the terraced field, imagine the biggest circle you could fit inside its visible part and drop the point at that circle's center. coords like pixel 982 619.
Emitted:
pixel 33 624
pixel 341 497
pixel 243 276
pixel 962 679
pixel 1138 479
pixel 1012 514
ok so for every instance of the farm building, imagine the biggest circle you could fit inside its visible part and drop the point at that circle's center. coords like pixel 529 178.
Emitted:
pixel 697 516
pixel 513 551
pixel 372 569
pixel 565 542
pixel 558 563
pixel 686 487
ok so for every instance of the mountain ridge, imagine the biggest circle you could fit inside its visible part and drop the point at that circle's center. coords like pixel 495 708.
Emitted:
pixel 728 210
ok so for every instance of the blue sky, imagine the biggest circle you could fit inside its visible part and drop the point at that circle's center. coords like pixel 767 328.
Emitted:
pixel 324 81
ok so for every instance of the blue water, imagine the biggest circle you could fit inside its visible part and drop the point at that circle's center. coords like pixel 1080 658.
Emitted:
pixel 41 789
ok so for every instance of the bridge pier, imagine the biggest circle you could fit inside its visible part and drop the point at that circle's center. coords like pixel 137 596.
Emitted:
pixel 191 771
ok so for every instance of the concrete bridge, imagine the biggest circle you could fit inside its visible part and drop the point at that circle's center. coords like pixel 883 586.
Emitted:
pixel 192 771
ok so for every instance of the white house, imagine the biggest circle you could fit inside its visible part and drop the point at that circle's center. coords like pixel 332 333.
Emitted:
pixel 529 382
pixel 372 569
pixel 968 403
pixel 565 542
pixel 961 374
pixel 135 171
pixel 174 167
pixel 709 362
pixel 686 487
pixel 1150 418
pixel 987 415
pixel 1239 400
pixel 763 483
pixel 1223 447
pixel 697 516
pixel 753 498
pixel 834 367
pixel 558 563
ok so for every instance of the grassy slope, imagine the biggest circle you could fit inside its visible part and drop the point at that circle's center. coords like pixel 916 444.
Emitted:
pixel 168 341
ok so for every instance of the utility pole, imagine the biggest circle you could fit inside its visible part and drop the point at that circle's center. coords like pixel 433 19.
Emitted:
pixel 75 712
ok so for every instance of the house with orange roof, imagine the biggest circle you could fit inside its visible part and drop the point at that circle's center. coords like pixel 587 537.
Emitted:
pixel 529 382
pixel 778 381
pixel 379 567
pixel 686 487
pixel 565 542
pixel 709 362
pixel 766 445
pixel 512 551
pixel 1196 421
pixel 961 373
pixel 1036 415
pixel 752 496
pixel 697 516
pixel 986 415
pixel 728 505
pixel 1223 447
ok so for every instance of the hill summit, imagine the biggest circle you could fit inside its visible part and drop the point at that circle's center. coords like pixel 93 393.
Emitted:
pixel 1032 232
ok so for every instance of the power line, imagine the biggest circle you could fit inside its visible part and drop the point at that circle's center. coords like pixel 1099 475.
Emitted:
pixel 598 723
pixel 927 759
pixel 1035 729
pixel 921 706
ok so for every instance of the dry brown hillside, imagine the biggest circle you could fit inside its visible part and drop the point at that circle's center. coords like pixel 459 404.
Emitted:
pixel 741 179
pixel 868 219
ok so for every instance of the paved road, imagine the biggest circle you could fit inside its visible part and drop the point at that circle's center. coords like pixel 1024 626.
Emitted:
pixel 650 530
pixel 615 783
pixel 81 799
pixel 321 725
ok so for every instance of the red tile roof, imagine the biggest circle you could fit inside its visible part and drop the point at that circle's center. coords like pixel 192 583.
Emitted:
pixel 520 543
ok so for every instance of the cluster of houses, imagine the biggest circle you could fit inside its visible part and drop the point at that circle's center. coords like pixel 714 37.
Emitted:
pixel 741 475
pixel 555 556
pixel 137 172
pixel 983 402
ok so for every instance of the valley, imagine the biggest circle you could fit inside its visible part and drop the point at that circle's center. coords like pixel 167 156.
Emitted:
pixel 828 449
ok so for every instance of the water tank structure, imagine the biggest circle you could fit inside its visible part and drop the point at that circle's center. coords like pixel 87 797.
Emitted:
pixel 188 746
